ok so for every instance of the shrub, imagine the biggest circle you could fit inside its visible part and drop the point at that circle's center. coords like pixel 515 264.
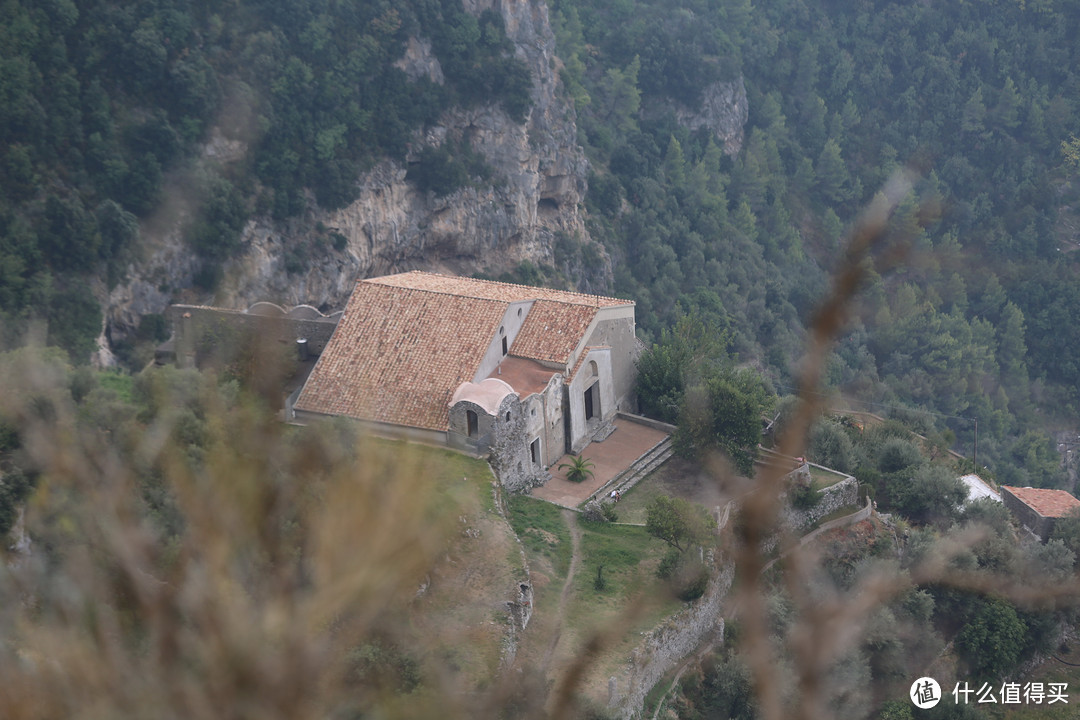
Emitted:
pixel 669 564
pixel 695 587
pixel 578 469
pixel 805 497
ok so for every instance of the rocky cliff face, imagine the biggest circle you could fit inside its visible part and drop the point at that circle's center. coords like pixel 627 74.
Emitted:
pixel 536 187
pixel 724 111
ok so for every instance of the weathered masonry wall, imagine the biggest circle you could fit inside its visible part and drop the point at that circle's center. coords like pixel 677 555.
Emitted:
pixel 834 497
pixel 1038 524
pixel 615 328
pixel 666 645
pixel 197 329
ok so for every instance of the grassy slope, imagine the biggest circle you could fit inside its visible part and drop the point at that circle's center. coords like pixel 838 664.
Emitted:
pixel 632 601
pixel 459 621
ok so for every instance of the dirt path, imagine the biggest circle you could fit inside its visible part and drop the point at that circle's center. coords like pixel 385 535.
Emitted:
pixel 570 518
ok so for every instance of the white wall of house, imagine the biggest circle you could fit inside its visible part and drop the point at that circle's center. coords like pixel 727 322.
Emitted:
pixel 604 396
pixel 508 328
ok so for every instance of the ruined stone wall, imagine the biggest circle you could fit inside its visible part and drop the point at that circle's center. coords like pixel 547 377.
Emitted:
pixel 544 419
pixel 834 497
pixel 458 433
pixel 666 645
pixel 510 448
pixel 198 329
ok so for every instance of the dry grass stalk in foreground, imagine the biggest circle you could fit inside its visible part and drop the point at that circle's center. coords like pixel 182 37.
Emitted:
pixel 297 549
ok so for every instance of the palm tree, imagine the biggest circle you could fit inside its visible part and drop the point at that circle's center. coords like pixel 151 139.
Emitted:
pixel 578 469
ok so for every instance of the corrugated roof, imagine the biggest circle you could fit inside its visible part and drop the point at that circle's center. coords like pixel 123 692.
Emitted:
pixel 1048 503
pixel 406 342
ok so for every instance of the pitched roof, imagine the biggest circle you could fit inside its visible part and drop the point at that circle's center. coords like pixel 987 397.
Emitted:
pixel 406 342
pixel 398 354
pixel 551 331
pixel 1048 503
pixel 491 290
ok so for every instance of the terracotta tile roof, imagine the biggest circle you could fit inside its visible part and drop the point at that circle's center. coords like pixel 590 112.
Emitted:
pixel 525 376
pixel 491 290
pixel 398 354
pixel 406 342
pixel 551 331
pixel 1048 503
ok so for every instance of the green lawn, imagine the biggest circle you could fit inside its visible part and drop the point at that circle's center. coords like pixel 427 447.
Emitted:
pixel 821 479
pixel 117 382
pixel 632 601
pixel 631 508
pixel 540 526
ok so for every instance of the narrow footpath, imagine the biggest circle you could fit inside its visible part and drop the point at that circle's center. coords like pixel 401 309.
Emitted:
pixel 570 518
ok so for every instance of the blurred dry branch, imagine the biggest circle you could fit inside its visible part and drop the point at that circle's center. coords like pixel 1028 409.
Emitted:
pixel 829 623
pixel 298 552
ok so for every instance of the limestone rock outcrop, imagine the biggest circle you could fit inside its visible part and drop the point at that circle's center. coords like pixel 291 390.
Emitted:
pixel 538 181
pixel 724 111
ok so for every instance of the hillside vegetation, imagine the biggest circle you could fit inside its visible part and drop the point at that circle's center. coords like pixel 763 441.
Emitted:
pixel 101 102
pixel 968 309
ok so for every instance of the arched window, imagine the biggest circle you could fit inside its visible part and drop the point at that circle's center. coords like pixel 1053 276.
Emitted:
pixel 594 371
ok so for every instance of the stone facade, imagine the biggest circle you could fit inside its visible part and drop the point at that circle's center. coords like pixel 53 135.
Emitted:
pixel 1026 515
pixel 1038 508
pixel 500 436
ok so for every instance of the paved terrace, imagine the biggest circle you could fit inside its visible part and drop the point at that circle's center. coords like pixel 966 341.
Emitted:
pixel 609 457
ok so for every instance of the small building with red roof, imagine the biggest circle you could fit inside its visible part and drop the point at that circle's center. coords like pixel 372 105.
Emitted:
pixel 1038 508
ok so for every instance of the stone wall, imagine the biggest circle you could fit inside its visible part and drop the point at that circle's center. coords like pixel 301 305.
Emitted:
pixel 666 645
pixel 618 333
pixel 510 457
pixel 1041 526
pixel 834 497
pixel 198 330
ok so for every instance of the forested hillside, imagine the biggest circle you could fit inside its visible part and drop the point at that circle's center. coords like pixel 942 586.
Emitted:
pixel 101 101
pixel 974 319
pixel 100 104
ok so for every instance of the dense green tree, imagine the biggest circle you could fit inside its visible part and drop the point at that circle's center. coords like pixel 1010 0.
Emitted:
pixel 678 522
pixel 724 412
pixel 831 446
pixel 991 641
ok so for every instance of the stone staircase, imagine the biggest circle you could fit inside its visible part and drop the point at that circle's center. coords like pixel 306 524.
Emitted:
pixel 645 464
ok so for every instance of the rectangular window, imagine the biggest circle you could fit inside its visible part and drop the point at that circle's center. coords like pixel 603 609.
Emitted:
pixel 534 451
pixel 472 423
pixel 504 345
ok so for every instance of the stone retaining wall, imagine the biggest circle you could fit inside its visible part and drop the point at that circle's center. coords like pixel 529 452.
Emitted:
pixel 666 645
pixel 834 497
